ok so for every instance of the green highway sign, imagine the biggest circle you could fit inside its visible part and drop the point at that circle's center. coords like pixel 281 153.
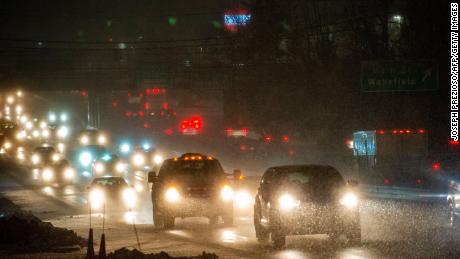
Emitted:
pixel 390 76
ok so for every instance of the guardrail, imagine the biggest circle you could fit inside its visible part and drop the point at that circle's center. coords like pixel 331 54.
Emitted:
pixel 402 193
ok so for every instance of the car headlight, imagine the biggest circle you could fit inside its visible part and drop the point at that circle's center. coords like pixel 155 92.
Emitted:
pixel 102 140
pixel 35 159
pixel 243 199
pixel 227 193
pixel 288 202
pixel 84 140
pixel 349 200
pixel 138 159
pixel 63 132
pixel 120 167
pixel 47 175
pixel 172 195
pixel 56 157
pixel 69 174
pixel 85 158
pixel 130 197
pixel 158 159
pixel 7 145
pixel 99 168
pixel 96 198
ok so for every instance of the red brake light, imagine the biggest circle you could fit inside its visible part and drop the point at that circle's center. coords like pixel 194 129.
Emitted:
pixel 386 181
pixel 421 131
pixel 229 131
pixel 140 113
pixel 268 138
pixel 169 132
pixel 285 139
pixel 436 166
pixel 381 132
pixel 128 114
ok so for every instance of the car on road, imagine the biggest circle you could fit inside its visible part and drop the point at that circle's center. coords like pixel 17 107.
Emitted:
pixel 111 193
pixel 306 199
pixel 192 185
pixel 109 164
pixel 49 166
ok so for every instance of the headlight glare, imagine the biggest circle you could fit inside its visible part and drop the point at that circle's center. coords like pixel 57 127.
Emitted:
pixel 288 202
pixel 96 198
pixel 349 200
pixel 47 175
pixel 130 197
pixel 172 195
pixel 226 193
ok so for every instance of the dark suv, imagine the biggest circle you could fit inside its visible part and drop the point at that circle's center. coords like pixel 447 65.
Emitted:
pixel 306 199
pixel 190 186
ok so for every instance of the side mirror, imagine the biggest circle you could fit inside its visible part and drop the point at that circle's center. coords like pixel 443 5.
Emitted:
pixel 352 183
pixel 237 174
pixel 152 177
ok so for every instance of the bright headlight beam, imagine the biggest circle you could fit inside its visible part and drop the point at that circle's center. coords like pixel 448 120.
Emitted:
pixel 288 202
pixel 47 175
pixel 129 197
pixel 84 140
pixel 96 198
pixel 349 200
pixel 172 195
pixel 138 159
pixel 158 159
pixel 227 193
pixel 85 158
pixel 69 174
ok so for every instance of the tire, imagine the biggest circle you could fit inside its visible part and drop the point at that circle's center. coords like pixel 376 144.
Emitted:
pixel 158 219
pixel 277 234
pixel 354 235
pixel 262 234
pixel 168 222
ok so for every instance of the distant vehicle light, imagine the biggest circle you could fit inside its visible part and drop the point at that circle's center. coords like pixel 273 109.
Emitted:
pixel 96 198
pixel 99 168
pixel 7 145
pixel 125 148
pixel 227 193
pixel 138 159
pixel 158 159
pixel 45 133
pixel 129 197
pixel 436 166
pixel 47 175
pixel 61 147
pixel 56 157
pixel 35 159
pixel 146 146
pixel 243 199
pixel 120 167
pixel 101 139
pixel 52 117
pixel 285 139
pixel 85 158
pixel 63 132
pixel 69 174
pixel 63 117
pixel 84 140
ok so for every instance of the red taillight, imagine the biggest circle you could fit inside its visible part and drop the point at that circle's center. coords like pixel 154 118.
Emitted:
pixel 243 147
pixel 140 113
pixel 421 131
pixel 147 125
pixel 285 139
pixel 169 132
pixel 386 181
pixel 381 132
pixel 395 132
pixel 408 131
pixel 229 131
pixel 268 139
pixel 244 131
pixel 165 106
pixel 114 104
pixel 436 166
pixel 128 114
pixel 146 106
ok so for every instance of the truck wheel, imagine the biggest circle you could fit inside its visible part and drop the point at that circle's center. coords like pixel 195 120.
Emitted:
pixel 228 220
pixel 157 220
pixel 279 240
pixel 261 233
pixel 354 235
pixel 168 222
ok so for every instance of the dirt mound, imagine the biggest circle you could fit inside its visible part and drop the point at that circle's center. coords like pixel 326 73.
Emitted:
pixel 22 231
pixel 124 253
